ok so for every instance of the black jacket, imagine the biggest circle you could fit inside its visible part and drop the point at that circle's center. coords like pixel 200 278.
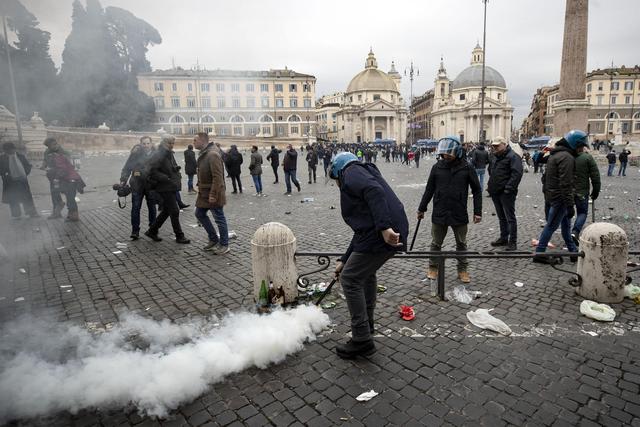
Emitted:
pixel 134 169
pixel 624 156
pixel 369 206
pixel 274 156
pixel 448 186
pixel 312 158
pixel 233 161
pixel 190 163
pixel 480 157
pixel 290 161
pixel 13 190
pixel 163 173
pixel 611 157
pixel 505 173
pixel 559 176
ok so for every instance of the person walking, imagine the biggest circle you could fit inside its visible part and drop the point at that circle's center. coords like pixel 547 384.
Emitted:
pixel 134 172
pixel 558 188
pixel 163 177
pixel 480 160
pixel 211 194
pixel 326 159
pixel 274 158
pixel 611 158
pixel 233 161
pixel 505 173
pixel 312 163
pixel 449 181
pixel 14 169
pixel 624 158
pixel 417 158
pixel 289 165
pixel 63 179
pixel 587 179
pixel 190 167
pixel 255 169
pixel 375 214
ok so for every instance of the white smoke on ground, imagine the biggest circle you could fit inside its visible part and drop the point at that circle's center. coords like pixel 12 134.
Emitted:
pixel 46 367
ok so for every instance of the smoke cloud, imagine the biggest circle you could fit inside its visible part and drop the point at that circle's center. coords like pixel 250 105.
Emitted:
pixel 155 365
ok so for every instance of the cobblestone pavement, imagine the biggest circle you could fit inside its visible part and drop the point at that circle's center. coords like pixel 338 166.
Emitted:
pixel 557 368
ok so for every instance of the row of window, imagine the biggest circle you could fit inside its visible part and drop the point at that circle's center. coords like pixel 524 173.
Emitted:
pixel 205 102
pixel 628 85
pixel 324 116
pixel 234 119
pixel 613 99
pixel 235 87
pixel 240 131
pixel 376 97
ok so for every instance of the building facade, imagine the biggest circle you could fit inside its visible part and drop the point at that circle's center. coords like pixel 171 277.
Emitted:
pixel 373 108
pixel 456 106
pixel 613 97
pixel 420 122
pixel 253 104
pixel 327 108
pixel 536 123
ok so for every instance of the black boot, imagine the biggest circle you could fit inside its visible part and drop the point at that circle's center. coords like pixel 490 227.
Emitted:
pixel 135 235
pixel 153 236
pixel 183 240
pixel 499 242
pixel 353 349
pixel 511 246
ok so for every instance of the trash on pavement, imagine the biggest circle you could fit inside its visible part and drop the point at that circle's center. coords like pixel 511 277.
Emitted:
pixel 288 213
pixel 593 310
pixel 407 313
pixel 233 235
pixel 307 200
pixel 381 289
pixel 631 291
pixel 519 284
pixel 60 248
pixel 366 396
pixel 460 294
pixel 66 286
pixel 329 305
pixel 77 199
pixel 121 245
pixel 482 319
pixel 18 299
pixel 22 270
pixel 116 252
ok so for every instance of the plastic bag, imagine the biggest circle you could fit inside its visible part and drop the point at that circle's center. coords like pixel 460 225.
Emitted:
pixel 459 294
pixel 631 291
pixel 482 319
pixel 593 310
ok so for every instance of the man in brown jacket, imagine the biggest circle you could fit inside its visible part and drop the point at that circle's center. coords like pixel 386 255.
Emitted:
pixel 211 193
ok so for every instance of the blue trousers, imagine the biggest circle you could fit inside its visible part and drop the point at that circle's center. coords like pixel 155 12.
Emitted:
pixel 291 176
pixel 557 218
pixel 582 209
pixel 257 182
pixel 221 222
pixel 480 173
pixel 136 206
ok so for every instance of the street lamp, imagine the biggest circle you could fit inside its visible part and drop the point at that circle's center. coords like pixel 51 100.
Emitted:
pixel 412 71
pixel 12 82
pixel 484 54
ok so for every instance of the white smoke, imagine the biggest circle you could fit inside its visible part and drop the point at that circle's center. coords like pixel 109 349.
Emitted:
pixel 48 366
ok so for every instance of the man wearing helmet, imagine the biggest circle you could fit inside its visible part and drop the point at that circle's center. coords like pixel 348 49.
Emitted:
pixel 558 192
pixel 376 215
pixel 448 186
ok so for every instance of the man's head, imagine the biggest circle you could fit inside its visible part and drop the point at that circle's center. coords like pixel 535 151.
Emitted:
pixel 273 146
pixel 254 148
pixel 499 145
pixel 9 148
pixel 51 143
pixel 289 147
pixel 201 140
pixel 145 142
pixel 576 138
pixel 449 148
pixel 168 142
pixel 340 162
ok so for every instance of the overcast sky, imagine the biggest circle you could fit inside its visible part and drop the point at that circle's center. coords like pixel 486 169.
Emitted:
pixel 331 38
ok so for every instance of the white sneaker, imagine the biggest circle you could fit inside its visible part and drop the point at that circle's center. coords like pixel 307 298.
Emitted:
pixel 257 195
pixel 221 250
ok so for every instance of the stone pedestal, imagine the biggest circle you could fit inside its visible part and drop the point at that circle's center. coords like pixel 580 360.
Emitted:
pixel 570 114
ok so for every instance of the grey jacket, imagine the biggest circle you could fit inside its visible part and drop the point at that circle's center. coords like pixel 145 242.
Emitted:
pixel 255 167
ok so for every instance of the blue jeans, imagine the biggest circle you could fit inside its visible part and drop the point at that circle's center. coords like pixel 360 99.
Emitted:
pixel 557 218
pixel 612 166
pixel 582 209
pixel 291 176
pixel 623 169
pixel 136 206
pixel 257 182
pixel 190 182
pixel 221 222
pixel 480 173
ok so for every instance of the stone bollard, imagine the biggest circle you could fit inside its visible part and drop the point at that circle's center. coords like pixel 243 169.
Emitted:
pixel 272 257
pixel 603 268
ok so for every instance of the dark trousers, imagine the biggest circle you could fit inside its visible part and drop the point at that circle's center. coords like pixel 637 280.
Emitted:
pixel 289 176
pixel 439 232
pixel 326 166
pixel 169 210
pixel 236 179
pixel 312 171
pixel 505 205
pixel 358 279
pixel 69 191
pixel 275 172
pixel 136 206
pixel 19 194
pixel 190 182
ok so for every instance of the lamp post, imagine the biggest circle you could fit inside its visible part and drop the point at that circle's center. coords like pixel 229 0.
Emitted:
pixel 12 82
pixel 412 71
pixel 484 53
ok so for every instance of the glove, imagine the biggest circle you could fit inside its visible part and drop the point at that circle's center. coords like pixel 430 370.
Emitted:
pixel 571 211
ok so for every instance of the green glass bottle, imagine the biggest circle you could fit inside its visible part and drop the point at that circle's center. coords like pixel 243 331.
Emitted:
pixel 263 295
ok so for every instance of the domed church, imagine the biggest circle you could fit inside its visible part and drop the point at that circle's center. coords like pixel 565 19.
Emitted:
pixel 373 108
pixel 456 104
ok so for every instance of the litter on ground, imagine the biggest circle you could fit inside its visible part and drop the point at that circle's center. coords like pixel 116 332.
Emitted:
pixel 366 396
pixel 595 311
pixel 482 319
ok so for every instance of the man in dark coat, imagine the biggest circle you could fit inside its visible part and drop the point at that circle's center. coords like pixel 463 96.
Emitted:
pixel 376 216
pixel 233 161
pixel 63 179
pixel 163 176
pixel 479 160
pixel 448 186
pixel 133 171
pixel 611 158
pixel 326 159
pixel 274 158
pixel 14 169
pixel 624 158
pixel 558 188
pixel 505 173
pixel 312 163
pixel 289 165
pixel 190 166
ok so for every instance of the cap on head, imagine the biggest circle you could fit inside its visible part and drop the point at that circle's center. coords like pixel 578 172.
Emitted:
pixel 50 141
pixel 450 145
pixel 576 138
pixel 340 162
pixel 498 140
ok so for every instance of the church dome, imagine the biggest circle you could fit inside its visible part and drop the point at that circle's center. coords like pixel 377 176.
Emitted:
pixel 371 78
pixel 472 77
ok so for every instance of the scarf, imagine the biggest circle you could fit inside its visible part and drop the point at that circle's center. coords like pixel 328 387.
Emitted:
pixel 16 169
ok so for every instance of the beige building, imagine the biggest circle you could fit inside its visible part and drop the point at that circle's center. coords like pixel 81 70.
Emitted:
pixel 456 103
pixel 253 104
pixel 373 108
pixel 613 95
pixel 421 122
pixel 327 108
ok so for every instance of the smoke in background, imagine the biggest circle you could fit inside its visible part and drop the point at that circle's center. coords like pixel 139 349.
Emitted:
pixel 156 366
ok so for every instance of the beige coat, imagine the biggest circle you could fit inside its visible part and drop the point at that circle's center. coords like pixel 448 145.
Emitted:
pixel 211 186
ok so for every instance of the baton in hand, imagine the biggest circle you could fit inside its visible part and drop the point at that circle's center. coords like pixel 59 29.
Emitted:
pixel 415 233
pixel 593 211
pixel 326 291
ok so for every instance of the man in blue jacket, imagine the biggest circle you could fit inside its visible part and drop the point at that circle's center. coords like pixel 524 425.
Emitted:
pixel 376 215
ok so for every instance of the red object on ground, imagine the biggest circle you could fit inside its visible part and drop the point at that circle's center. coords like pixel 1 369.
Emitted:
pixel 407 313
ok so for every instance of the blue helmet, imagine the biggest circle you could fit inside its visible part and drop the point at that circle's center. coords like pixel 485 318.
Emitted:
pixel 576 138
pixel 450 145
pixel 340 162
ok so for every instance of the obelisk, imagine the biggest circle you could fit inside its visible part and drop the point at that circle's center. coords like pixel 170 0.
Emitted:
pixel 571 110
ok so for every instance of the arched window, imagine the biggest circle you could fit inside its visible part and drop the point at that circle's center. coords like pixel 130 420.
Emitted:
pixel 176 119
pixel 208 119
pixel 294 118
pixel 613 115
pixel 237 119
pixel 265 118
